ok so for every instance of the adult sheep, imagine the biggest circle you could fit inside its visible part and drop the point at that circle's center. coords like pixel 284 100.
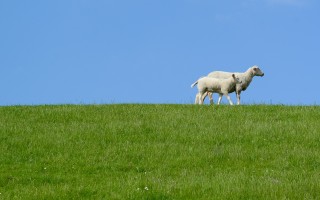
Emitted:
pixel 245 78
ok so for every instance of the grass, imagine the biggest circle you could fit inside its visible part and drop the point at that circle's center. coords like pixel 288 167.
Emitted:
pixel 159 152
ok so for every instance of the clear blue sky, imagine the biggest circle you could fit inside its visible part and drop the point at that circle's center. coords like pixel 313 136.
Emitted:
pixel 151 51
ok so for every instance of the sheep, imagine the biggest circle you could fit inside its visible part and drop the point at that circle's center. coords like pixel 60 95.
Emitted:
pixel 246 78
pixel 214 85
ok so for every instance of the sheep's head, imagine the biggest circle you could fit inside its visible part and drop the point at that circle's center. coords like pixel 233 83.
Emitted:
pixel 256 71
pixel 236 79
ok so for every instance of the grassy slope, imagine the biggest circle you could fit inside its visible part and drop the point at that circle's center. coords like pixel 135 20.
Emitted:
pixel 159 152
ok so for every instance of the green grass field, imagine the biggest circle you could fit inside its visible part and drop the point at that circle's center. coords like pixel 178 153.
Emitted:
pixel 160 152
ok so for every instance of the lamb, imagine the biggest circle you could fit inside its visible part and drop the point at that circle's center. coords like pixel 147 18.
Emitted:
pixel 245 77
pixel 214 85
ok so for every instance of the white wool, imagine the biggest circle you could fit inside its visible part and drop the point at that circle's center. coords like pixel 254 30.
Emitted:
pixel 215 85
pixel 245 78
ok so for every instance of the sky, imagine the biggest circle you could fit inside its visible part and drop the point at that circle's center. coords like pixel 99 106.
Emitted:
pixel 142 51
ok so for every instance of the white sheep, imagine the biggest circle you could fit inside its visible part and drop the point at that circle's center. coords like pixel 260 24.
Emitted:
pixel 245 77
pixel 214 85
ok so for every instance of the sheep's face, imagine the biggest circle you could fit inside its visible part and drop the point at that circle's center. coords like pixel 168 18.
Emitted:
pixel 256 71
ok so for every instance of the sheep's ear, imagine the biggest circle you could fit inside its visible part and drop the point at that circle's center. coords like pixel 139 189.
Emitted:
pixel 233 76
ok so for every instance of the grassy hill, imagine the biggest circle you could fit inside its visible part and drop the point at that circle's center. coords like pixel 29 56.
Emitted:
pixel 159 152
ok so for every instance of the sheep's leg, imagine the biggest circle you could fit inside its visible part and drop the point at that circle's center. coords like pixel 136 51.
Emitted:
pixel 238 97
pixel 196 101
pixel 219 100
pixel 210 97
pixel 201 97
pixel 204 95
pixel 229 99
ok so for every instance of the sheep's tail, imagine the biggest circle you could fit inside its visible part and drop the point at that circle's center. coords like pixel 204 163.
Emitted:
pixel 195 83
